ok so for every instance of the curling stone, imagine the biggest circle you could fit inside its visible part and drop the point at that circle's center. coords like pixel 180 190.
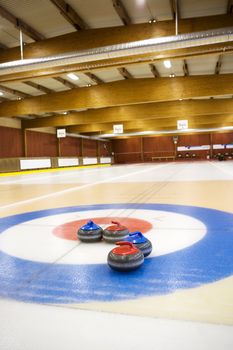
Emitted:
pixel 140 241
pixel 115 232
pixel 125 257
pixel 90 232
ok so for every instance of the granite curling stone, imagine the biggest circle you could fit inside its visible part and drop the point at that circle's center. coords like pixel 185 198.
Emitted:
pixel 125 257
pixel 90 232
pixel 140 241
pixel 115 232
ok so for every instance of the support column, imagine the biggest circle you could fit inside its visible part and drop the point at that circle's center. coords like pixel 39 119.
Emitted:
pixel 142 150
pixel 58 147
pixel 24 143
pixel 211 146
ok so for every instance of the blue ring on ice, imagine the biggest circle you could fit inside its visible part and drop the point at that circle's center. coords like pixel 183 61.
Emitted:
pixel 206 261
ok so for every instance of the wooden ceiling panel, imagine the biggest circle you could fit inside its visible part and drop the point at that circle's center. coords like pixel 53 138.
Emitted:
pixel 50 84
pixel 199 8
pixel 227 64
pixel 40 15
pixel 140 71
pixel 143 11
pixel 23 88
pixel 97 14
pixel 202 65
pixel 109 75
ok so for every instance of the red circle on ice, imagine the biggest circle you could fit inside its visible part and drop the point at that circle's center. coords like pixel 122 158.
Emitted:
pixel 69 229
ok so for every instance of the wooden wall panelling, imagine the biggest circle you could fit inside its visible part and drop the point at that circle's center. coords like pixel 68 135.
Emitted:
pixel 158 146
pixel 11 142
pixel 127 150
pixel 70 147
pixel 193 140
pixel 41 144
pixel 222 138
pixel 89 148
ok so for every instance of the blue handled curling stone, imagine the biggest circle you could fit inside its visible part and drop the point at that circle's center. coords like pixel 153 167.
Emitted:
pixel 125 257
pixel 115 232
pixel 140 241
pixel 90 232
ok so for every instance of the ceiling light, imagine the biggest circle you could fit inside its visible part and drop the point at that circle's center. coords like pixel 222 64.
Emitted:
pixel 172 75
pixel 153 20
pixel 167 63
pixel 140 2
pixel 180 99
pixel 1 93
pixel 72 76
pixel 65 112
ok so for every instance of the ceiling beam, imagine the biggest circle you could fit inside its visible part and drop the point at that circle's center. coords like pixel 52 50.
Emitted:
pixel 150 124
pixel 174 109
pixel 218 64
pixel 121 11
pixel 66 83
pixel 124 92
pixel 125 73
pixel 185 68
pixel 81 40
pixel 94 78
pixel 14 92
pixel 39 87
pixel 20 24
pixel 70 14
pixel 154 70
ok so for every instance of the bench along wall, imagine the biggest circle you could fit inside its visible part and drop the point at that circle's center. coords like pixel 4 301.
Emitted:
pixel 190 146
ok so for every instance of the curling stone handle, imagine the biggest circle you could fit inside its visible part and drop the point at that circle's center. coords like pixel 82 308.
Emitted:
pixel 115 223
pixel 125 243
pixel 137 233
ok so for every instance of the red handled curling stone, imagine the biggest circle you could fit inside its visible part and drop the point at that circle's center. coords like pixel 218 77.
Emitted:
pixel 140 241
pixel 90 232
pixel 115 232
pixel 125 257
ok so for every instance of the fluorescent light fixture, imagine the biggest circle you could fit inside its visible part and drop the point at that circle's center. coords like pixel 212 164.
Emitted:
pixel 227 127
pixel 72 76
pixel 1 93
pixel 167 63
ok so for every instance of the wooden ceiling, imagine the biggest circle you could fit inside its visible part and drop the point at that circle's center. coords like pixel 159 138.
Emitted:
pixel 137 91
